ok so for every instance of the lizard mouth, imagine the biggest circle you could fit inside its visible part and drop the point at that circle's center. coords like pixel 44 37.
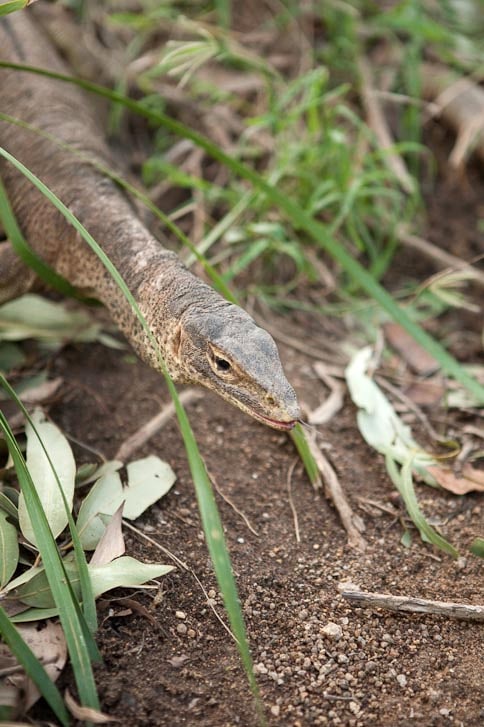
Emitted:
pixel 274 423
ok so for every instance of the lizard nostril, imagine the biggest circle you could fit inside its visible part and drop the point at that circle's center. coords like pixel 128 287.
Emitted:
pixel 270 399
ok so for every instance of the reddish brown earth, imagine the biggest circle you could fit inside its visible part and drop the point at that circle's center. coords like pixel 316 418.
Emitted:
pixel 384 668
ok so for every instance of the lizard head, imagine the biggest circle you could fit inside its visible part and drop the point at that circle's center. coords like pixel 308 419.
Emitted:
pixel 224 350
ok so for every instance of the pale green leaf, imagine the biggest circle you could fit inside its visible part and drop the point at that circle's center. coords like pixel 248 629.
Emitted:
pixel 11 356
pixel 12 5
pixel 9 551
pixel 44 478
pixel 91 472
pixel 36 592
pixel 379 424
pixel 24 577
pixel 124 571
pixel 34 614
pixel 148 480
pixel 103 499
pixel 8 506
pixel 32 316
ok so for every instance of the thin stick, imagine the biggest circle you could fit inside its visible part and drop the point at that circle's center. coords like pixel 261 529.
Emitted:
pixel 461 611
pixel 152 426
pixel 377 121
pixel 440 256
pixel 291 500
pixel 332 405
pixel 231 504
pixel 352 523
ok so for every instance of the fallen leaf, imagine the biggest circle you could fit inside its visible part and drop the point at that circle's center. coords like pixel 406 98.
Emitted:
pixel 428 392
pixel 45 481
pixel 86 714
pixel 111 545
pixel 9 551
pixel 148 480
pixel 124 571
pixel 32 316
pixel 471 479
pixel 104 498
pixel 409 350
pixel 48 644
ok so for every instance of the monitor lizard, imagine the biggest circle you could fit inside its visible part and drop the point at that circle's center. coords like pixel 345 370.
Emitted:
pixel 204 339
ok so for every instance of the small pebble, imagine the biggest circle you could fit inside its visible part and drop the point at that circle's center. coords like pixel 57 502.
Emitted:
pixel 332 631
pixel 180 614
pixel 402 680
pixel 181 629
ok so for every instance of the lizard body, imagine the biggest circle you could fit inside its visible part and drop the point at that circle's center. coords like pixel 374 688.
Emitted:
pixel 204 339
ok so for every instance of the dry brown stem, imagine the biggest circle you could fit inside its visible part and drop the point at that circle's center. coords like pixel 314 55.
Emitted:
pixel 352 523
pixel 462 611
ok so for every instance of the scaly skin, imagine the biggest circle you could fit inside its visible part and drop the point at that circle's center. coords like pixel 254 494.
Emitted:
pixel 203 338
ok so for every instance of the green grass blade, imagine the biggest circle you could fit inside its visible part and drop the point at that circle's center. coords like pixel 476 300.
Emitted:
pixel 77 636
pixel 477 547
pixel 208 508
pixel 298 436
pixel 212 526
pixel 299 218
pixel 12 5
pixel 33 667
pixel 88 601
pixel 403 481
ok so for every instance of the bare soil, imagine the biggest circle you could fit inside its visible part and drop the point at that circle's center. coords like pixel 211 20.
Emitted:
pixel 175 664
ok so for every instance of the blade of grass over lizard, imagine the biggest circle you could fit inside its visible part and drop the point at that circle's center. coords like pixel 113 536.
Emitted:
pixel 78 638
pixel 214 531
pixel 33 667
pixel 300 219
pixel 88 602
pixel 12 6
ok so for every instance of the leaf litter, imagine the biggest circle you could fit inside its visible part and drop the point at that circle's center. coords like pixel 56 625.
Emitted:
pixel 384 431
pixel 27 596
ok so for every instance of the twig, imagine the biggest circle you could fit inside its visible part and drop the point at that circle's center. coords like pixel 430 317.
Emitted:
pixel 232 504
pixel 461 611
pixel 299 345
pixel 332 405
pixel 352 523
pixel 291 500
pixel 438 255
pixel 152 426
pixel 377 121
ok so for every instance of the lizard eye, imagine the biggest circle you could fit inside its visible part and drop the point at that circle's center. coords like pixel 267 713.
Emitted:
pixel 222 364
pixel 219 363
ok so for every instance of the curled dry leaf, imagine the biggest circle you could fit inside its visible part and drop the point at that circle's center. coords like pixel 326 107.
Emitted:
pixel 111 545
pixel 409 350
pixel 471 479
pixel 86 714
pixel 48 644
